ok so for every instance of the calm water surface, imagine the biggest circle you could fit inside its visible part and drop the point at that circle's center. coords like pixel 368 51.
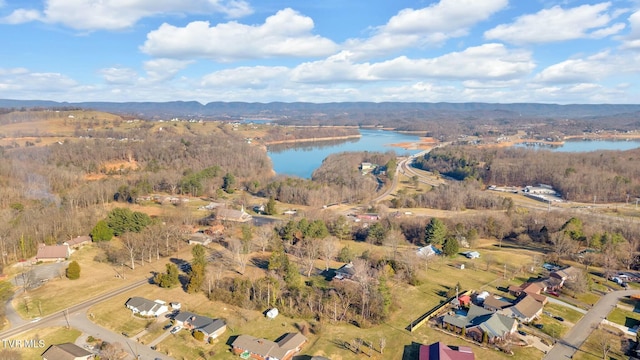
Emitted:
pixel 586 145
pixel 303 158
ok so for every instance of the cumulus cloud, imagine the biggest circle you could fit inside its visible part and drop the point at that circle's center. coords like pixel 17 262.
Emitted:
pixel 20 80
pixel 488 61
pixel 246 77
pixel 590 69
pixel 117 15
pixel 163 69
pixel 287 33
pixel 558 24
pixel 119 75
pixel 632 40
pixel 431 25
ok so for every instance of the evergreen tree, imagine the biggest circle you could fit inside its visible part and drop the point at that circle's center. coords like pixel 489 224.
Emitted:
pixel 450 247
pixel 168 279
pixel 196 278
pixel 270 209
pixel 122 220
pixel 73 271
pixel 436 232
pixel 228 181
pixel 199 253
pixel 101 232
pixel 341 228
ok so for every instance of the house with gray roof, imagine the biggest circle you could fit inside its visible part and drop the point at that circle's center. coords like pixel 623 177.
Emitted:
pixel 211 328
pixel 145 307
pixel 478 321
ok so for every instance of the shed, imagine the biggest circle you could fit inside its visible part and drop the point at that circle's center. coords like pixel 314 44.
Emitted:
pixel 272 313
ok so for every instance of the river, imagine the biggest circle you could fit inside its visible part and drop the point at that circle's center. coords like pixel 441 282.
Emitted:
pixel 301 159
pixel 585 145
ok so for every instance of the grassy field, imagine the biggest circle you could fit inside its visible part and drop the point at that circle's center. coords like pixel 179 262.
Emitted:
pixel 592 349
pixel 624 317
pixel 95 278
pixel 411 302
pixel 49 336
pixel 567 313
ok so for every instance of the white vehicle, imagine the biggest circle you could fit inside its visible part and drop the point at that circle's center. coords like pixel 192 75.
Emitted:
pixel 176 329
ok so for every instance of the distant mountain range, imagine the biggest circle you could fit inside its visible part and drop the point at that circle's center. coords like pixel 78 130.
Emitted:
pixel 337 110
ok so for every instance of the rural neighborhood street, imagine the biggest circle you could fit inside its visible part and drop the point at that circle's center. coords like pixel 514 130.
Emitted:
pixel 76 316
pixel 567 347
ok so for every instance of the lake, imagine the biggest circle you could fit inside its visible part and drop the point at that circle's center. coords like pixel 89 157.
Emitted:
pixel 585 145
pixel 302 159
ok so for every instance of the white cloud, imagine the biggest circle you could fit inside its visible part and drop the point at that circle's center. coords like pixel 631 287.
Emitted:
pixel 488 61
pixel 431 25
pixel 119 75
pixel 19 80
pixel 21 16
pixel 287 33
pixel 246 77
pixel 558 24
pixel 632 40
pixel 118 14
pixel 590 69
pixel 164 69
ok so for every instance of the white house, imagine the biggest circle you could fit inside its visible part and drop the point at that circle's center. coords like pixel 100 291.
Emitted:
pixel 145 307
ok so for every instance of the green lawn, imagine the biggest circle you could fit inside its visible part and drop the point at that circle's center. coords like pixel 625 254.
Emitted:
pixel 624 317
pixel 564 312
pixel 49 336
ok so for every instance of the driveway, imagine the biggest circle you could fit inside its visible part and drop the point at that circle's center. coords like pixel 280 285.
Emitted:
pixel 34 276
pixel 567 347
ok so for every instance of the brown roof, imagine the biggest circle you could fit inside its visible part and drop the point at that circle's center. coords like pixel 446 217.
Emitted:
pixel 264 348
pixel 532 288
pixel 53 252
pixel 66 351
pixel 528 307
pixel 261 347
pixel 78 240
pixel 494 303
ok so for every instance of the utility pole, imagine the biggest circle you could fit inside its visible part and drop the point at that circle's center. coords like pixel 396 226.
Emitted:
pixel 505 271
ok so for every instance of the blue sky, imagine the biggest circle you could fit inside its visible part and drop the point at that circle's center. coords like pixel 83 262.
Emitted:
pixel 503 51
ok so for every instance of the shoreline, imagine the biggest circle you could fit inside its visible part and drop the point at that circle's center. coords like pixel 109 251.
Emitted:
pixel 329 138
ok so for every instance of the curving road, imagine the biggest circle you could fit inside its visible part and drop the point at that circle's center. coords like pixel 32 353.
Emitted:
pixel 569 345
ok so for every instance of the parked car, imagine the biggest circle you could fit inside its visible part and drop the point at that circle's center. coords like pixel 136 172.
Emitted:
pixel 166 327
pixel 539 326
pixel 522 332
pixel 554 293
pixel 559 318
pixel 176 329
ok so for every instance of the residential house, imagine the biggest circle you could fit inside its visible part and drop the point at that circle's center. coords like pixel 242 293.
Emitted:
pixel 200 238
pixel 53 253
pixel 346 271
pixel 440 351
pixel 428 251
pixel 225 214
pixel 368 217
pixel 367 167
pixel 533 289
pixel 526 309
pixel 145 307
pixel 261 349
pixel 565 275
pixel 494 304
pixel 471 254
pixel 66 351
pixel 212 328
pixel 496 326
pixel 479 321
pixel 78 241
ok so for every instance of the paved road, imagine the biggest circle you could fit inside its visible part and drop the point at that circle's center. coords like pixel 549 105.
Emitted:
pixel 76 317
pixel 567 347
